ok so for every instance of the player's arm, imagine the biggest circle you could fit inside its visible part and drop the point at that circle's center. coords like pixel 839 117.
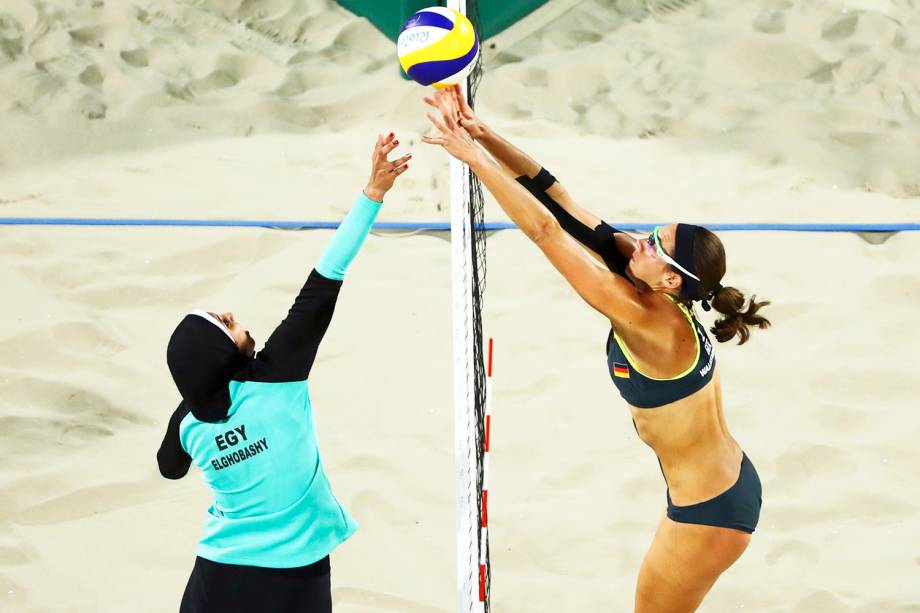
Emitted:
pixel 610 294
pixel 291 350
pixel 172 460
pixel 605 242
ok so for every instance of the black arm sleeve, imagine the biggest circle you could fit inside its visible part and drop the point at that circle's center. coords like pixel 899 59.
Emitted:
pixel 600 240
pixel 172 458
pixel 291 349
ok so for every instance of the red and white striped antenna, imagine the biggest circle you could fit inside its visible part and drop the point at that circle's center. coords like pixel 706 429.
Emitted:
pixel 486 457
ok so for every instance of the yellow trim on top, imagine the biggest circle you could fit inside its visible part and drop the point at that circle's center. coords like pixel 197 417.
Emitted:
pixel 454 45
pixel 696 338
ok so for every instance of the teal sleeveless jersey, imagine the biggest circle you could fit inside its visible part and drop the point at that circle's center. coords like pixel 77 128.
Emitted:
pixel 288 520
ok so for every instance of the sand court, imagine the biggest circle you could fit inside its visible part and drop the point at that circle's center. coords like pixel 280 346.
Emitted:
pixel 576 494
pixel 787 113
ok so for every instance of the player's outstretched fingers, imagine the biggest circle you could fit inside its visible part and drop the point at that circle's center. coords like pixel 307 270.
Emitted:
pixel 438 124
pixel 389 146
pixel 402 161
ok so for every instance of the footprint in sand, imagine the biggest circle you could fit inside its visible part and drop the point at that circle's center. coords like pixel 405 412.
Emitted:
pixel 139 58
pixel 38 85
pixel 92 77
pixel 825 72
pixel 216 80
pixel 17 17
pixel 294 84
pixel 840 27
pixel 91 36
pixel 300 57
pixel 11 34
pixel 91 106
pixel 770 22
pixel 855 72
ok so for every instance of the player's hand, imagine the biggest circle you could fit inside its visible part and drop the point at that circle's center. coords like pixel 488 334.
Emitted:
pixel 383 171
pixel 451 101
pixel 453 137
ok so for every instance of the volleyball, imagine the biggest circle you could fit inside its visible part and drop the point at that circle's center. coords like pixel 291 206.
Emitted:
pixel 437 46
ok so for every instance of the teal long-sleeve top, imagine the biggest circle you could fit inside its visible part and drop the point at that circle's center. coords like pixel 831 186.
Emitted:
pixel 273 503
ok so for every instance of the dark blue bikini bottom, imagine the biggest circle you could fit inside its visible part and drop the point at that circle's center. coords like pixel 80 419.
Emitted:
pixel 738 507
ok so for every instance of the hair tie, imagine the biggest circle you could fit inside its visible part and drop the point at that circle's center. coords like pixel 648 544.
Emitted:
pixel 704 302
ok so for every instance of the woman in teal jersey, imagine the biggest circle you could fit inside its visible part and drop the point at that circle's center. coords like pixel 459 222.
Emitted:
pixel 658 355
pixel 246 422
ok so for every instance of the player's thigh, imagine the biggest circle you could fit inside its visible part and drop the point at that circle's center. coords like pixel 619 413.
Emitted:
pixel 683 563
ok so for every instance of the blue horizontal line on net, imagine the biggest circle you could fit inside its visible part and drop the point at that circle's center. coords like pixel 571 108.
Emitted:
pixel 434 225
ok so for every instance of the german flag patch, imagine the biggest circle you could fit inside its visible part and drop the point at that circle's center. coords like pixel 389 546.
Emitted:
pixel 621 370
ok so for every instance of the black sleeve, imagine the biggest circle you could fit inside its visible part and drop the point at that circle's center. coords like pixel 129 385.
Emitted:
pixel 291 349
pixel 601 240
pixel 172 458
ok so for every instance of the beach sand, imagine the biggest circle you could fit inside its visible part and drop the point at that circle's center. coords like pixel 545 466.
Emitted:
pixel 774 111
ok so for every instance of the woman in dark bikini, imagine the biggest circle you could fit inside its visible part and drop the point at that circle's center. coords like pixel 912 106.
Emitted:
pixel 660 357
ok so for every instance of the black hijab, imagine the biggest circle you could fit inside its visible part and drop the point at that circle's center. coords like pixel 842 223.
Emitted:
pixel 202 359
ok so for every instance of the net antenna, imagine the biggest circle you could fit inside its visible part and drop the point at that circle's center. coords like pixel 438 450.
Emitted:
pixel 468 239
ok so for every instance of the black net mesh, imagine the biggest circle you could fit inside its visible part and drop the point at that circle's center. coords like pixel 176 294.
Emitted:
pixel 477 205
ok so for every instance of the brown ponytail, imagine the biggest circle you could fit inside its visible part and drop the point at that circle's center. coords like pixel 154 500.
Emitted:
pixel 738 320
pixel 709 261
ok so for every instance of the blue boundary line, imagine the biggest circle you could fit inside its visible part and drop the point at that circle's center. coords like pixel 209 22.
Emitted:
pixel 434 225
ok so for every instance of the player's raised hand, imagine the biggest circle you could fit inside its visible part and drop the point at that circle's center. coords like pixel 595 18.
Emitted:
pixel 384 171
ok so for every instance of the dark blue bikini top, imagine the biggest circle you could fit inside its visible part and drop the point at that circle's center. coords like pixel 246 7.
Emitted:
pixel 637 389
pixel 644 392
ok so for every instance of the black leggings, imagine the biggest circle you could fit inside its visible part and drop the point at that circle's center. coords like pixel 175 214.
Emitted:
pixel 228 588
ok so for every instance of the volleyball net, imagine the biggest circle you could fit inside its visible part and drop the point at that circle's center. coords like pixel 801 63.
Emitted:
pixel 468 264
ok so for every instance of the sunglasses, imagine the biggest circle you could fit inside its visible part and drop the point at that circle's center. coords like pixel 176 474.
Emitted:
pixel 654 241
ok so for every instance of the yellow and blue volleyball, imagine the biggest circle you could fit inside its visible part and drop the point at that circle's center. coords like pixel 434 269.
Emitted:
pixel 437 46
